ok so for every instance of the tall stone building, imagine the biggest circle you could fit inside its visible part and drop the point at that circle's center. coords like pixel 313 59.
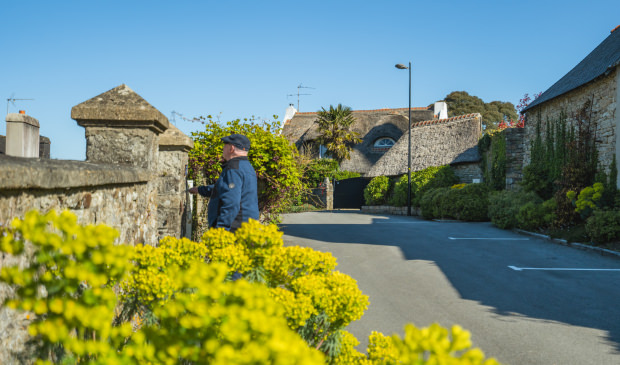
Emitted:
pixel 447 141
pixel 596 79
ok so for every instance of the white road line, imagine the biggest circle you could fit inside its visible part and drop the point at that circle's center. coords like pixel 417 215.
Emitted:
pixel 489 238
pixel 557 269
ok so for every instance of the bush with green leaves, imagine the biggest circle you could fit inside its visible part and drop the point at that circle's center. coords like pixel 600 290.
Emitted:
pixel 505 205
pixel 376 192
pixel 436 203
pixel 603 226
pixel 275 160
pixel 399 193
pixel 468 203
pixel 430 178
pixel 535 215
pixel 317 170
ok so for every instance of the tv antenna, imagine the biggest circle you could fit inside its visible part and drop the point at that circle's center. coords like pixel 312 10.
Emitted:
pixel 298 93
pixel 12 101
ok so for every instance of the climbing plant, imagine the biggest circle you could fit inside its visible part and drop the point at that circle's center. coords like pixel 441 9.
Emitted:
pixel 272 156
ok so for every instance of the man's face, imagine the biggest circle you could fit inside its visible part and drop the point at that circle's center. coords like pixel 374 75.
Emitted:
pixel 227 151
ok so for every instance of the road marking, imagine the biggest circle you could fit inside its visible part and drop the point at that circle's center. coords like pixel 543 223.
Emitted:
pixel 489 238
pixel 557 269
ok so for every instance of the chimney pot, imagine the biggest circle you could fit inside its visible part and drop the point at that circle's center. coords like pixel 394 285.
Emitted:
pixel 22 112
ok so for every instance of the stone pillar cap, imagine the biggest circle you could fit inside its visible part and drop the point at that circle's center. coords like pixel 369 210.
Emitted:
pixel 22 118
pixel 173 137
pixel 119 107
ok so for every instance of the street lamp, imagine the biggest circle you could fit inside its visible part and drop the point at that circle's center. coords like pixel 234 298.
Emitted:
pixel 400 66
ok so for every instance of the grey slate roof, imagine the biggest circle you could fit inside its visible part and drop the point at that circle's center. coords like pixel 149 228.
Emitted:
pixel 600 61
pixel 434 143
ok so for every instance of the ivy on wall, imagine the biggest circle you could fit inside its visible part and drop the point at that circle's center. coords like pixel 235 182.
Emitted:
pixel 492 147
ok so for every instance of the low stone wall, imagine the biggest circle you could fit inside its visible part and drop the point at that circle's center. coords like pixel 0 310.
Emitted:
pixel 388 209
pixel 119 196
pixel 133 180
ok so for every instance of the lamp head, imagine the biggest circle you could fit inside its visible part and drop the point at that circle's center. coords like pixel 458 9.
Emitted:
pixel 401 66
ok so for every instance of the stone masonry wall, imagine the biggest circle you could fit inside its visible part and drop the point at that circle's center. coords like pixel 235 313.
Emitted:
pixel 120 197
pixel 515 149
pixel 603 93
pixel 467 172
pixel 133 180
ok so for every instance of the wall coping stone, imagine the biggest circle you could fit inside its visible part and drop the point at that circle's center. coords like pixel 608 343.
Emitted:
pixel 119 107
pixel 173 138
pixel 27 173
pixel 22 118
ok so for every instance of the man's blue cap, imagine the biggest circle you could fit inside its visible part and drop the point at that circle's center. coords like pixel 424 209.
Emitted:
pixel 238 140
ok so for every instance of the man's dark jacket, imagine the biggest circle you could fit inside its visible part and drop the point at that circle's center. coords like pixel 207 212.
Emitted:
pixel 234 198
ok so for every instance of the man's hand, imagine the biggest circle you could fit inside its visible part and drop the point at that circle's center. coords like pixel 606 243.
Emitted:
pixel 193 190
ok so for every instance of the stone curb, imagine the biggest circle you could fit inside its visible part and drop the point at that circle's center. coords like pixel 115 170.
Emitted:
pixel 580 246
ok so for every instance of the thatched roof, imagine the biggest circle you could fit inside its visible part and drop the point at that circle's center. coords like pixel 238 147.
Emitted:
pixel 433 143
pixel 602 60
pixel 302 127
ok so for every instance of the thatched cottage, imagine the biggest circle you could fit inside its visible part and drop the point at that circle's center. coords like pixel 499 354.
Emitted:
pixel 436 139
pixel 596 79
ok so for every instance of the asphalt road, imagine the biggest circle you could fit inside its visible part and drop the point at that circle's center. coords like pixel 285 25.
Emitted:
pixel 525 300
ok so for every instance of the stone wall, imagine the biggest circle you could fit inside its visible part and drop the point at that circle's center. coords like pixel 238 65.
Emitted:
pixel 133 180
pixel 515 150
pixel 468 172
pixel 603 92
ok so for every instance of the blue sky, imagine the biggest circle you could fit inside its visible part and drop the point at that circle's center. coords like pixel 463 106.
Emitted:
pixel 236 59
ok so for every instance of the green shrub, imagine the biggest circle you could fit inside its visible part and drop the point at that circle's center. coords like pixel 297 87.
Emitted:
pixel 344 174
pixel 399 195
pixel 531 216
pixel 470 203
pixel 376 191
pixel 604 226
pixel 430 178
pixel 467 203
pixel 435 203
pixel 316 171
pixel 504 206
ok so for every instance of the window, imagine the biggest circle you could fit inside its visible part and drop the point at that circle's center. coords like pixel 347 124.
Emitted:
pixel 383 144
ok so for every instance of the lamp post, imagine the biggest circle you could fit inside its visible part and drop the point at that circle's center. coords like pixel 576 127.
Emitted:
pixel 400 66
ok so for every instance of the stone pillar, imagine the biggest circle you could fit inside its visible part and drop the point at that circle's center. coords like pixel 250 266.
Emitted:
pixel 22 135
pixel 329 194
pixel 515 151
pixel 44 147
pixel 121 128
pixel 172 182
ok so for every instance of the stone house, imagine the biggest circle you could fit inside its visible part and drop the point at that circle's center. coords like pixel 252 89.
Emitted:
pixel 379 129
pixel 595 79
pixel 436 140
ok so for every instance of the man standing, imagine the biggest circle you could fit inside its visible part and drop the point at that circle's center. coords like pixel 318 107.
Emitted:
pixel 234 197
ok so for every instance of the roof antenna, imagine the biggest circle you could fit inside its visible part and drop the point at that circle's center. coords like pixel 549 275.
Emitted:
pixel 12 101
pixel 300 87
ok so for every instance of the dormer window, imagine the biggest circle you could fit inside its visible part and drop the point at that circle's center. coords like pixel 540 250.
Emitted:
pixel 383 144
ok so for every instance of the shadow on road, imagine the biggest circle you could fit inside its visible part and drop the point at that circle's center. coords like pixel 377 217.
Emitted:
pixel 478 268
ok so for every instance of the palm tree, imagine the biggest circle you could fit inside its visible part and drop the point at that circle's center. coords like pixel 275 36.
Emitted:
pixel 335 133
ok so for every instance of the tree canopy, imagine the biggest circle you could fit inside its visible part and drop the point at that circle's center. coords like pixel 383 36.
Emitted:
pixel 272 156
pixel 460 102
pixel 335 133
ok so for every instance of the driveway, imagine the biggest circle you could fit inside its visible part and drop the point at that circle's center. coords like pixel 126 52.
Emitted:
pixel 525 300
